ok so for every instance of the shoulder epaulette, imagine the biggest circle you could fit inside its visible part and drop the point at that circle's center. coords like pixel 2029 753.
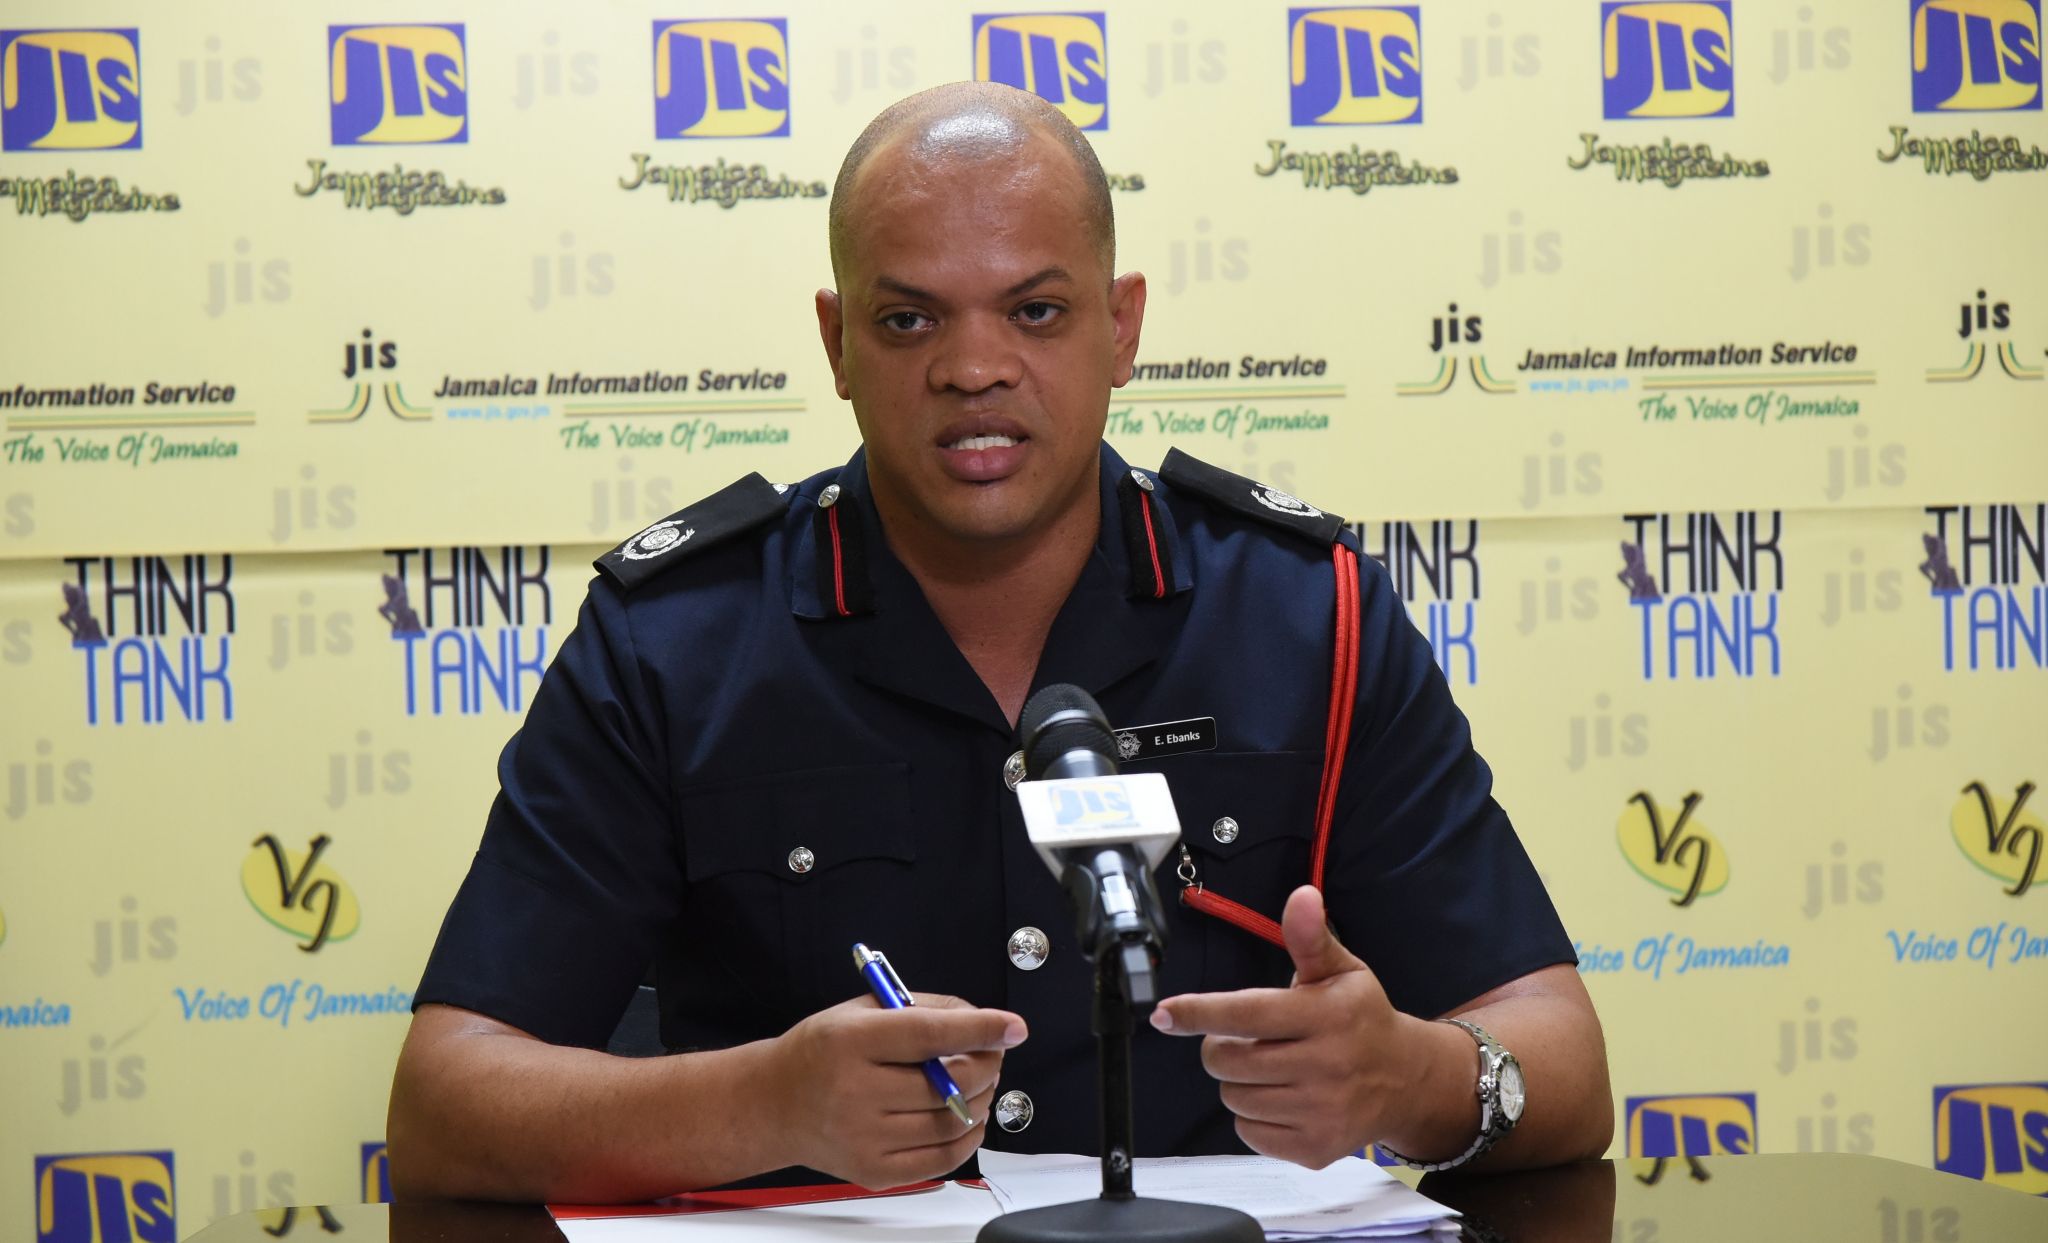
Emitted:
pixel 731 511
pixel 1250 498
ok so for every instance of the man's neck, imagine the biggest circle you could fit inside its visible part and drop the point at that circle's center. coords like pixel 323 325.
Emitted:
pixel 998 599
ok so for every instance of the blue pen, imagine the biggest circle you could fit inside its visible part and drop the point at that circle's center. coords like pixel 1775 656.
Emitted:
pixel 888 989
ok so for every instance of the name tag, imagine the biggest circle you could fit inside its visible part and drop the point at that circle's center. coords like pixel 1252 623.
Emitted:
pixel 1149 742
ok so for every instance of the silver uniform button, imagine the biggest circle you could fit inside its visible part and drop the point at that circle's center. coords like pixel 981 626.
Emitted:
pixel 1013 1111
pixel 829 497
pixel 1013 769
pixel 1224 830
pixel 801 860
pixel 1029 948
pixel 1144 481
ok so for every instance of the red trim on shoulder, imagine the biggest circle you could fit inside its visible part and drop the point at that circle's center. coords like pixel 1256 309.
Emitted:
pixel 838 565
pixel 1152 542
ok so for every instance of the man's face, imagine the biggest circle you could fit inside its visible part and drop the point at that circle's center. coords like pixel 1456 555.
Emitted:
pixel 977 335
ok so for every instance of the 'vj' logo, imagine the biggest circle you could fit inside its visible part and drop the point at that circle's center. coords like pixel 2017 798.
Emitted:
pixel 1976 55
pixel 2004 842
pixel 70 90
pixel 1667 58
pixel 1063 58
pixel 398 84
pixel 311 902
pixel 723 79
pixel 1355 66
pixel 105 1197
pixel 1685 860
pixel 1691 1126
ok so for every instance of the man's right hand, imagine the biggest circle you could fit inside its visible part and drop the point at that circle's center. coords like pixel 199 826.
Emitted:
pixel 848 1093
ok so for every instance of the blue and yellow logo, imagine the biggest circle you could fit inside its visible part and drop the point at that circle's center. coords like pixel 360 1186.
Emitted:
pixel 70 90
pixel 721 79
pixel 1063 58
pixel 1976 55
pixel 105 1197
pixel 1691 1126
pixel 396 84
pixel 1355 66
pixel 376 1173
pixel 1994 1131
pixel 1092 805
pixel 1667 58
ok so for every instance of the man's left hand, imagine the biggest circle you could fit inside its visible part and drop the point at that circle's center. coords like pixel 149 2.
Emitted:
pixel 1315 1071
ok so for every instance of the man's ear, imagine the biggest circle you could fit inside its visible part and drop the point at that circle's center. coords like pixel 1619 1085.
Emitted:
pixel 831 329
pixel 1127 316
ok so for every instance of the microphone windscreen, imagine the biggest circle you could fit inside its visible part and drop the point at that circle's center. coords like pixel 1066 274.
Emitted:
pixel 1061 718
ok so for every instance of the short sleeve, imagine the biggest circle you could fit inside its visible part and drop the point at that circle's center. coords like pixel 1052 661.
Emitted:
pixel 1426 878
pixel 578 873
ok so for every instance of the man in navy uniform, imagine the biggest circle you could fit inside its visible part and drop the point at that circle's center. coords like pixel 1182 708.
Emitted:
pixel 786 721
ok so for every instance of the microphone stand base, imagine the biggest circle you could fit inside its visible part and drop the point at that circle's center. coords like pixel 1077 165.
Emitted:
pixel 1135 1220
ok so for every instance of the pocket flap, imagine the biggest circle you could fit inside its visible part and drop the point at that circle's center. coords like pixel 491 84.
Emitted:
pixel 760 824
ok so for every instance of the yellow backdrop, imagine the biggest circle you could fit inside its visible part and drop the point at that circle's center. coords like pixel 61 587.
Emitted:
pixel 1683 361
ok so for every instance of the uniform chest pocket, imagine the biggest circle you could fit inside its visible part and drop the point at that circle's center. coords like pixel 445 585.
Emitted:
pixel 1248 822
pixel 787 871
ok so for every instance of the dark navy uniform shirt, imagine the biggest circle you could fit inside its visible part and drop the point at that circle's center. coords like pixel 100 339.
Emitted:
pixel 707 721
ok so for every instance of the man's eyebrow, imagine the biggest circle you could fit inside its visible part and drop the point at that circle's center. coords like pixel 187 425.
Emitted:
pixel 905 289
pixel 1054 273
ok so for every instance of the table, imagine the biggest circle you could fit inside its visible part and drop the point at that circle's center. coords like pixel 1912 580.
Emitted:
pixel 1793 1198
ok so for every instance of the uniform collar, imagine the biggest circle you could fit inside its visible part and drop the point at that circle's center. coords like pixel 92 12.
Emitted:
pixel 1102 633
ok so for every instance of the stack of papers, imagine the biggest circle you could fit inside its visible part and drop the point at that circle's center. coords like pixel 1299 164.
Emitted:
pixel 1350 1199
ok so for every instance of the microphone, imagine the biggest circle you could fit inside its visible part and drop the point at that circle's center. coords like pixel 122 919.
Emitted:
pixel 1101 832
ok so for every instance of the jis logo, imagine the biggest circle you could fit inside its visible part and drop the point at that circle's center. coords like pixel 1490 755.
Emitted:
pixel 1667 58
pixel 1063 58
pixel 721 79
pixel 1995 1132
pixel 398 84
pixel 1976 55
pixel 105 1197
pixel 1355 66
pixel 70 90
pixel 1100 805
pixel 376 1173
pixel 1691 1126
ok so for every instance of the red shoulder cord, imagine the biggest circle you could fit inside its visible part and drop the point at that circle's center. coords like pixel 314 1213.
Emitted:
pixel 1336 741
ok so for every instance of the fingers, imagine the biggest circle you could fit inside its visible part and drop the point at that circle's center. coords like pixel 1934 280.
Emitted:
pixel 1261 1013
pixel 925 1031
pixel 1316 952
pixel 1234 1059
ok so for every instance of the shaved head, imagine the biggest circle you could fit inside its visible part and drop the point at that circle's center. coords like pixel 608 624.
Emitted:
pixel 963 124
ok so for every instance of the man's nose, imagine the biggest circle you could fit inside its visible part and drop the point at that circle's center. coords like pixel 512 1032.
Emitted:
pixel 978 352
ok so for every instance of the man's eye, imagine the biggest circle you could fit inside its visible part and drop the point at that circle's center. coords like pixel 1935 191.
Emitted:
pixel 1038 312
pixel 904 321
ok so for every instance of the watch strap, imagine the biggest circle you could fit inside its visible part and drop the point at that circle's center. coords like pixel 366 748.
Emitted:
pixel 1493 1120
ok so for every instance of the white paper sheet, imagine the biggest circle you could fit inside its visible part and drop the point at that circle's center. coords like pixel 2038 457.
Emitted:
pixel 1343 1199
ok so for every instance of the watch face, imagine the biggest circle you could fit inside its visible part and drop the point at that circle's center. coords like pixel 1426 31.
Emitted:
pixel 1511 1096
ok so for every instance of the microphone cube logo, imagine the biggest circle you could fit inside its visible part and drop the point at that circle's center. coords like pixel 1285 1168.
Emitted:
pixel 105 1197
pixel 1092 806
pixel 1976 55
pixel 1664 59
pixel 721 79
pixel 1355 66
pixel 1063 58
pixel 70 90
pixel 1691 1126
pixel 397 85
pixel 1997 1132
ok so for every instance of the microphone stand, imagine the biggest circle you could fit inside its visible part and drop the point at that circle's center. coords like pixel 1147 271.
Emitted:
pixel 1120 1213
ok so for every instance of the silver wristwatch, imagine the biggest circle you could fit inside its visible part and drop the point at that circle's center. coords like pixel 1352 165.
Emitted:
pixel 1500 1100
